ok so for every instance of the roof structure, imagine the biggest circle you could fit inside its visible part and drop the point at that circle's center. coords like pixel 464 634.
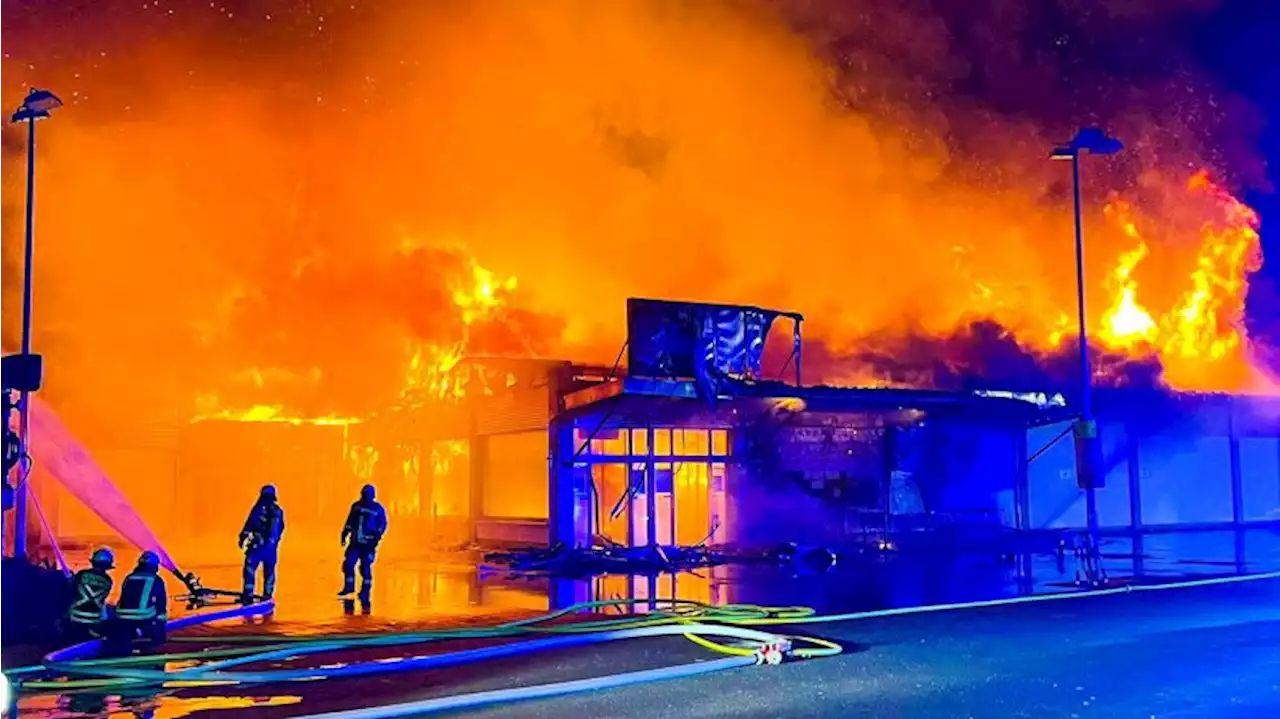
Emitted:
pixel 655 394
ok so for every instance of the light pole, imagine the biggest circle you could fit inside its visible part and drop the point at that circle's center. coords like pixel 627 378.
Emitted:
pixel 1094 141
pixel 36 106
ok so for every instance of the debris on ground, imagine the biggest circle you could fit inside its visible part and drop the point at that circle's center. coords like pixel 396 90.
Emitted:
pixel 608 558
pixel 611 558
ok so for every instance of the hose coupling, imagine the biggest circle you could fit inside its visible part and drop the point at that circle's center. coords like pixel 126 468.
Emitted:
pixel 773 652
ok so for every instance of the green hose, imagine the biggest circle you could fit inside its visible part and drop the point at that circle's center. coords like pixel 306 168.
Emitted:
pixel 675 612
pixel 729 614
pixel 277 647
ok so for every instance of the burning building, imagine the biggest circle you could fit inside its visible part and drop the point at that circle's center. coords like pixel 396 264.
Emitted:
pixel 300 316
pixel 692 444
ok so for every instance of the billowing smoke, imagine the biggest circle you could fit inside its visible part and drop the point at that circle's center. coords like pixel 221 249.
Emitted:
pixel 284 190
pixel 982 355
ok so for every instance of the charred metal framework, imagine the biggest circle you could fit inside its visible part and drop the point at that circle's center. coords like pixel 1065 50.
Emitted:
pixel 694 445
pixel 556 451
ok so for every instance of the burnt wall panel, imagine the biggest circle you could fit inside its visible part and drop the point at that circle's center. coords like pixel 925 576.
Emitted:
pixel 519 409
pixel 1259 478
pixel 1114 508
pixel 1186 479
pixel 1179 450
pixel 979 471
pixel 515 480
pixel 1054 498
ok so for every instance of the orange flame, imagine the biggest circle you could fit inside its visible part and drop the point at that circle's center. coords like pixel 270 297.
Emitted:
pixel 1126 323
pixel 1201 340
pixel 434 372
pixel 262 413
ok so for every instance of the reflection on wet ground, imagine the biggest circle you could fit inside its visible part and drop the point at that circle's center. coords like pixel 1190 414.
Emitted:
pixel 148 705
pixel 446 590
pixel 453 590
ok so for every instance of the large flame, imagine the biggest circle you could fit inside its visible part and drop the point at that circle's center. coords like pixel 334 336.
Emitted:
pixel 222 224
pixel 616 149
pixel 1200 339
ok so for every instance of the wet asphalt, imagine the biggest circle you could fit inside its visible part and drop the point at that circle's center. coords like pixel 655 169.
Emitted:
pixel 1201 652
pixel 1204 652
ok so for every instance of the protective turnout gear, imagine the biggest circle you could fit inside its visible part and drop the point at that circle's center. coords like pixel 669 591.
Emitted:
pixel 143 606
pixel 87 615
pixel 366 524
pixel 260 538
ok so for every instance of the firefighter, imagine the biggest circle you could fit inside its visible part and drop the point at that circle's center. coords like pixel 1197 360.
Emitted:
pixel 143 606
pixel 366 523
pixel 87 615
pixel 260 540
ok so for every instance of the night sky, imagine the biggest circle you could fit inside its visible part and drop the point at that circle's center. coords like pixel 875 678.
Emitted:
pixel 1239 45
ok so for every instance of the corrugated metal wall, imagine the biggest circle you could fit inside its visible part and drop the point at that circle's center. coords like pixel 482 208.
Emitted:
pixel 1169 462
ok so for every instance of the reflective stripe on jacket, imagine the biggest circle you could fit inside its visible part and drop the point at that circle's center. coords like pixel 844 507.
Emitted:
pixel 89 603
pixel 142 598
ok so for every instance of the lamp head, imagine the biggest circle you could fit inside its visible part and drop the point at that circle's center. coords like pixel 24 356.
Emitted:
pixel 1090 140
pixel 36 105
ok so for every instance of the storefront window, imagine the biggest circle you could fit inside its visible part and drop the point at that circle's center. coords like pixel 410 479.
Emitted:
pixel 662 442
pixel 691 442
pixel 639 441
pixel 719 442
pixel 611 442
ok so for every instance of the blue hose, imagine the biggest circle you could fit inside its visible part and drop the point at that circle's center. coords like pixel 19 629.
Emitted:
pixel 475 700
pixel 206 673
pixel 93 646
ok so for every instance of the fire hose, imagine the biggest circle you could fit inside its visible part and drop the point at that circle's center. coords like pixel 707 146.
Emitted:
pixel 684 619
pixel 693 620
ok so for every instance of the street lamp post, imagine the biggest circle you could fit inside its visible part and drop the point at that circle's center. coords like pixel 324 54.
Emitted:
pixel 36 106
pixel 1094 141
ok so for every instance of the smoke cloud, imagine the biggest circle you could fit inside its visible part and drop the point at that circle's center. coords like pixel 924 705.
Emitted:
pixel 293 189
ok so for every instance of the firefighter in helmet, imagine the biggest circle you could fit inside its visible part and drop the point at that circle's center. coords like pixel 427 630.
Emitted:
pixel 260 540
pixel 87 615
pixel 143 607
pixel 365 525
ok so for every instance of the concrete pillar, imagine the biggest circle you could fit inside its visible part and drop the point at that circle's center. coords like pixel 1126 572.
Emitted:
pixel 561 524
pixel 477 470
